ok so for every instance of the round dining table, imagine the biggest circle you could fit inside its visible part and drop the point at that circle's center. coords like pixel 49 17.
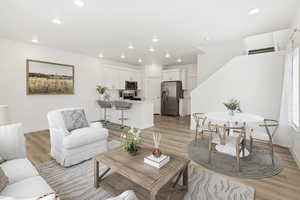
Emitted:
pixel 225 117
pixel 222 118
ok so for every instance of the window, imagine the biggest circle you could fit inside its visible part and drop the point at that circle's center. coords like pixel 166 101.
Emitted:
pixel 295 88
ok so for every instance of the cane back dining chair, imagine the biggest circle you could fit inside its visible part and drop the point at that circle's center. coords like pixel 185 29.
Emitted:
pixel 200 120
pixel 232 145
pixel 265 134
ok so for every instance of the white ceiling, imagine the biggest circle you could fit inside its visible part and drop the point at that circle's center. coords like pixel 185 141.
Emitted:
pixel 108 26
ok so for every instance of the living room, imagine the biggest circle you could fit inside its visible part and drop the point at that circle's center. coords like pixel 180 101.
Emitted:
pixel 90 90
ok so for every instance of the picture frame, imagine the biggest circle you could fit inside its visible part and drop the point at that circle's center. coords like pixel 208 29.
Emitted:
pixel 49 78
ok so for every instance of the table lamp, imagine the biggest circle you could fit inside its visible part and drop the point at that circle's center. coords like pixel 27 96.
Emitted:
pixel 4 117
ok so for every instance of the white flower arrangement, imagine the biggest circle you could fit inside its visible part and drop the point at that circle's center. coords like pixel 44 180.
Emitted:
pixel 132 139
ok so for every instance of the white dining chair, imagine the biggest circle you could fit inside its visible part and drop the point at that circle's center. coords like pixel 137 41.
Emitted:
pixel 231 145
pixel 200 120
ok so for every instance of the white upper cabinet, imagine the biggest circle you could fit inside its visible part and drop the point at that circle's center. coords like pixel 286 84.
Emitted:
pixel 171 75
pixel 175 75
pixel 114 78
pixel 111 77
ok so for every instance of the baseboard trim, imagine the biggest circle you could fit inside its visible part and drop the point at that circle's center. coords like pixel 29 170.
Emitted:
pixel 297 160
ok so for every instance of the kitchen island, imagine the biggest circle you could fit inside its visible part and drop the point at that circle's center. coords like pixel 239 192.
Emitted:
pixel 140 115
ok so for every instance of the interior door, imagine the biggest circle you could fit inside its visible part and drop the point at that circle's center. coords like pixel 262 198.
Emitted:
pixel 153 93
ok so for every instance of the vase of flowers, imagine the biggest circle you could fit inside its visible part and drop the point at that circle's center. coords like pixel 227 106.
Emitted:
pixel 156 139
pixel 233 106
pixel 102 91
pixel 131 140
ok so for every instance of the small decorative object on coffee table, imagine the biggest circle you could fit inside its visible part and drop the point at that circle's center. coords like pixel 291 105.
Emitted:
pixel 131 140
pixel 156 140
pixel 233 106
pixel 157 159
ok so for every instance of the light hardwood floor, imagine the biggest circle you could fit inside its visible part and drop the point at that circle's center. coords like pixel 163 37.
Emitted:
pixel 176 135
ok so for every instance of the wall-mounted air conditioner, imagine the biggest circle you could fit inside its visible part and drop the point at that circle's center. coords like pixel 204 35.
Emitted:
pixel 267 42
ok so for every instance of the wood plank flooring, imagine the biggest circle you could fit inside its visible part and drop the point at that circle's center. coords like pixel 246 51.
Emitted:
pixel 176 135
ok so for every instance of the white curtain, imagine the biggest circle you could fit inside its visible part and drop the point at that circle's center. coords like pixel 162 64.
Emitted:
pixel 283 136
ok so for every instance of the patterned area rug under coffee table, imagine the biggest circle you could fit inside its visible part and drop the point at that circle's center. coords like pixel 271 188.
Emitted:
pixel 76 183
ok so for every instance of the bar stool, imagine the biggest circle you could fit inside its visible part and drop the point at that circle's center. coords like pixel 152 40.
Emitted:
pixel 122 106
pixel 104 105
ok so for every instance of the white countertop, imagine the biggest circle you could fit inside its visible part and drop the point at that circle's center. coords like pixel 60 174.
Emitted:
pixel 133 101
pixel 138 102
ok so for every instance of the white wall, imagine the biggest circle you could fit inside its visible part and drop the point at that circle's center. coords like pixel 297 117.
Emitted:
pixel 216 56
pixel 254 80
pixel 32 110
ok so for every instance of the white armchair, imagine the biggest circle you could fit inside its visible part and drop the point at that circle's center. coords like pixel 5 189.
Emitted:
pixel 70 148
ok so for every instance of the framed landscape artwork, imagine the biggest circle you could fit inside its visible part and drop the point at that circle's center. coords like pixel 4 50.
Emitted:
pixel 49 78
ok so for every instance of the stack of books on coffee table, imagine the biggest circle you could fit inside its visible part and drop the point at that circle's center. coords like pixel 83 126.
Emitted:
pixel 157 162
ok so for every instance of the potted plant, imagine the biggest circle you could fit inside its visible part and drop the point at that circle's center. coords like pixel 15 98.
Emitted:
pixel 131 140
pixel 101 90
pixel 233 106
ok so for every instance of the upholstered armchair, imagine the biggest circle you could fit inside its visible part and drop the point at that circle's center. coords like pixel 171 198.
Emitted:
pixel 70 147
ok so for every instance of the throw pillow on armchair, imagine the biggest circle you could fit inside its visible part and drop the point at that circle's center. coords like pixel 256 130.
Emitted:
pixel 74 119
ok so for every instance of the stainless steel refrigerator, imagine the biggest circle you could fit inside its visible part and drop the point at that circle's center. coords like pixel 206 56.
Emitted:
pixel 171 92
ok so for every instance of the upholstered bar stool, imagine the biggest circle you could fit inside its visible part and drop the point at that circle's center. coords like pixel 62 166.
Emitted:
pixel 105 105
pixel 122 106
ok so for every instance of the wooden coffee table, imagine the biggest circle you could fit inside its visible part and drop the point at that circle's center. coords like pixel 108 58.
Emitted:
pixel 130 173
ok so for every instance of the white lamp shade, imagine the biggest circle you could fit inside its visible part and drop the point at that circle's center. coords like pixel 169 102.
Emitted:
pixel 4 117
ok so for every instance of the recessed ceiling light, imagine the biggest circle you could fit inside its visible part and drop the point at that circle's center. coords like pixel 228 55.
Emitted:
pixel 100 55
pixel 151 49
pixel 35 40
pixel 140 60
pixel 254 11
pixel 179 60
pixel 56 21
pixel 122 56
pixel 167 55
pixel 130 46
pixel 155 39
pixel 79 3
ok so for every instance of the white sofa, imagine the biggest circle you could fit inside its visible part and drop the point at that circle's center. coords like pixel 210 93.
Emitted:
pixel 70 148
pixel 24 180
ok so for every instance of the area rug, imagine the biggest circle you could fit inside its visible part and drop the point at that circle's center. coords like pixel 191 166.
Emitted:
pixel 76 183
pixel 257 165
